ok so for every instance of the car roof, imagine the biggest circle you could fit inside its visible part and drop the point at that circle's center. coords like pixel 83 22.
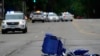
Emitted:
pixel 14 13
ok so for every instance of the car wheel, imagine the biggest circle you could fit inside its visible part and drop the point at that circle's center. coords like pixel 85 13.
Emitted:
pixel 66 20
pixel 71 20
pixel 58 20
pixel 62 20
pixel 25 30
pixel 43 21
pixel 33 21
pixel 3 31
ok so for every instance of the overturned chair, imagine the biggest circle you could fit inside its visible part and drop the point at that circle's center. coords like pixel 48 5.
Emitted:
pixel 52 46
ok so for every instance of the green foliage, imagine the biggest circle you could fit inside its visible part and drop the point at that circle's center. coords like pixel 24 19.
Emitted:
pixel 78 8
pixel 16 4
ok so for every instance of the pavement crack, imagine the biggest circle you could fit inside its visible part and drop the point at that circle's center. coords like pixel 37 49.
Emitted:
pixel 19 49
pixel 11 52
pixel 2 41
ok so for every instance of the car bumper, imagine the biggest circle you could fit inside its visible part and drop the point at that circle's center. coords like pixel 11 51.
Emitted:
pixel 13 27
pixel 67 19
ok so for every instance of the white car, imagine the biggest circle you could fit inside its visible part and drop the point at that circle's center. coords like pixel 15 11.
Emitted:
pixel 37 16
pixel 14 21
pixel 52 17
pixel 45 16
pixel 66 16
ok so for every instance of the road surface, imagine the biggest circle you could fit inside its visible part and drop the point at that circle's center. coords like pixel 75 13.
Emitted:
pixel 79 34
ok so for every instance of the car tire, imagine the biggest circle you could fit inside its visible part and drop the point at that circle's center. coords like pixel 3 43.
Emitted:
pixel 3 31
pixel 58 20
pixel 33 21
pixel 71 20
pixel 25 30
pixel 66 20
pixel 62 20
pixel 43 21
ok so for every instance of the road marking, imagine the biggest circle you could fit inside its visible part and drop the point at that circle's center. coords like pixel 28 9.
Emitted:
pixel 81 30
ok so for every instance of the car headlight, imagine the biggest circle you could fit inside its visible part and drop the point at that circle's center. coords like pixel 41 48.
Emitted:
pixel 22 22
pixel 3 22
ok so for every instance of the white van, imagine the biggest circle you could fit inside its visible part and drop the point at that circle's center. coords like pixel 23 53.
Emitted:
pixel 14 21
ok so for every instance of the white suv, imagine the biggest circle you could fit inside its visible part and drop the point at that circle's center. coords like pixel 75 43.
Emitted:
pixel 37 16
pixel 14 21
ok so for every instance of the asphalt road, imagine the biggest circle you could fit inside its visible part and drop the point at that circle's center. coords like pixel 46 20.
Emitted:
pixel 79 34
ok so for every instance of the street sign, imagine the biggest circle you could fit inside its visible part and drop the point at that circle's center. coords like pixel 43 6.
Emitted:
pixel 34 1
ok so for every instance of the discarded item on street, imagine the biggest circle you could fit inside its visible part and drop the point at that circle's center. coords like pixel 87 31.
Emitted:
pixel 53 46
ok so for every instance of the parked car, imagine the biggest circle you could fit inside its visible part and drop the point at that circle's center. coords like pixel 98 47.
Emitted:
pixel 52 17
pixel 45 16
pixel 14 21
pixel 66 16
pixel 37 16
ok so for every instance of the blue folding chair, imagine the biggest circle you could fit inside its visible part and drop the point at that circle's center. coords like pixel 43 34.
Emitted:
pixel 52 45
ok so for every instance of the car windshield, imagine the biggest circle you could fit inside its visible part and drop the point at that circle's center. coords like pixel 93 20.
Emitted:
pixel 51 14
pixel 37 13
pixel 14 17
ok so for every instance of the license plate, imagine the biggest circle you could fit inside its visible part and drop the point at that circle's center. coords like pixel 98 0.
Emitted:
pixel 12 26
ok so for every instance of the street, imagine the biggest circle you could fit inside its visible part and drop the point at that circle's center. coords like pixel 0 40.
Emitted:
pixel 79 34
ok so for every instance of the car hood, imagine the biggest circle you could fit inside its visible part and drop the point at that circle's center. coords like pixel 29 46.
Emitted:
pixel 53 17
pixel 17 20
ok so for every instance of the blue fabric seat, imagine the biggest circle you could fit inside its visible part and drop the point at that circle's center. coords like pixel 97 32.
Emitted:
pixel 52 45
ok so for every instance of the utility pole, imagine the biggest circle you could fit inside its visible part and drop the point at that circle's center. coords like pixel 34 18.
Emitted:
pixel 3 9
pixel 23 6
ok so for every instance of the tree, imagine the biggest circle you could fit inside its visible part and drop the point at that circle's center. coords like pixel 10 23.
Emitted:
pixel 13 4
pixel 78 7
